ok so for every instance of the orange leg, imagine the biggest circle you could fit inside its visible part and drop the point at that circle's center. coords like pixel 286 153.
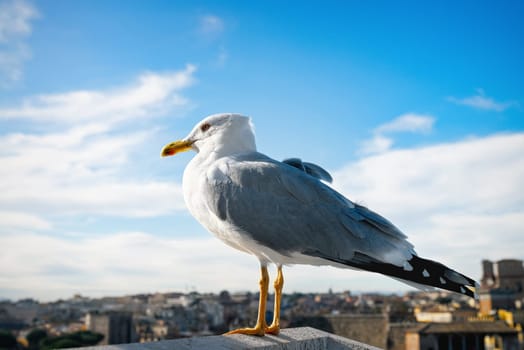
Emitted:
pixel 260 327
pixel 274 328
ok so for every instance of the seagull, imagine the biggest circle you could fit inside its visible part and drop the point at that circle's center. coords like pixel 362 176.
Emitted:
pixel 285 213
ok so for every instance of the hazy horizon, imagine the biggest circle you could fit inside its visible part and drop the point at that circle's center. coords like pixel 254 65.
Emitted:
pixel 217 292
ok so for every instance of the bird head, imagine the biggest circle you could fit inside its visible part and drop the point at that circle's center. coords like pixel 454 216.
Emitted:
pixel 222 134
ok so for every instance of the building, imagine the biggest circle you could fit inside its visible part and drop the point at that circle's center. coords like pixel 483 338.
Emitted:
pixel 371 329
pixel 435 314
pixel 116 327
pixel 502 285
pixel 507 274
pixel 496 299
pixel 480 335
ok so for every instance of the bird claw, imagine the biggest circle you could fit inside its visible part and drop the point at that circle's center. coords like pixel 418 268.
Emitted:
pixel 257 330
pixel 273 329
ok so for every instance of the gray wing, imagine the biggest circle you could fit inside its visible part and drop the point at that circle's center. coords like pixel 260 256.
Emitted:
pixel 289 211
pixel 361 212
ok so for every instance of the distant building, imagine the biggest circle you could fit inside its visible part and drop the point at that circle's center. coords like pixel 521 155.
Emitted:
pixel 507 274
pixel 443 314
pixel 10 322
pixel 436 317
pixel 117 327
pixel 502 285
pixel 480 335
pixel 371 329
pixel 496 299
pixel 164 330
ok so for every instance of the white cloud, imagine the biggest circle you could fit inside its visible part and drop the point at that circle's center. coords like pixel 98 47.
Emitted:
pixel 47 268
pixel 15 25
pixel 150 95
pixel 79 171
pixel 481 101
pixel 82 170
pixel 222 57
pixel 12 220
pixel 118 264
pixel 12 64
pixel 211 25
pixel 132 198
pixel 481 173
pixel 15 18
pixel 409 122
pixel 377 144
pixel 458 202
pixel 210 29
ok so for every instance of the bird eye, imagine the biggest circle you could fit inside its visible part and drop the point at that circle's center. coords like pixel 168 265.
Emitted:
pixel 204 127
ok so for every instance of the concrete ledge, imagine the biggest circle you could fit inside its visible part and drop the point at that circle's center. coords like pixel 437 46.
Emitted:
pixel 289 339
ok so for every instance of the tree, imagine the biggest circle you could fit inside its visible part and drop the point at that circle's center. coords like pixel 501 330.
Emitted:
pixel 7 340
pixel 73 340
pixel 63 343
pixel 35 337
pixel 87 337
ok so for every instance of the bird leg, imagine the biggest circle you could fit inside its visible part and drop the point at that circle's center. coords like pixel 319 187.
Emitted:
pixel 274 328
pixel 260 327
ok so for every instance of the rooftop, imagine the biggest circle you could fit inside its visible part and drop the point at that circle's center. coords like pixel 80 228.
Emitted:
pixel 497 327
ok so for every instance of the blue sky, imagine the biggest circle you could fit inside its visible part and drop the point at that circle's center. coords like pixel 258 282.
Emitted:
pixel 417 109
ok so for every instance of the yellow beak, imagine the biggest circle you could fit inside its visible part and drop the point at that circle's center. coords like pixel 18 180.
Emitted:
pixel 176 147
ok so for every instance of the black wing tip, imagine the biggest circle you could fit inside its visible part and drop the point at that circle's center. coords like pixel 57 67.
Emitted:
pixel 438 275
pixel 418 270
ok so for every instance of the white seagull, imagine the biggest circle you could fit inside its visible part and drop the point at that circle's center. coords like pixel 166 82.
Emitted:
pixel 282 213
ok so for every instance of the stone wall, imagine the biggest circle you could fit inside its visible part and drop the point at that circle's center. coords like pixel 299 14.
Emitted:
pixel 370 329
pixel 289 339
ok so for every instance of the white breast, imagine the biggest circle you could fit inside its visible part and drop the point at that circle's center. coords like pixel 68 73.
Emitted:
pixel 196 176
pixel 194 184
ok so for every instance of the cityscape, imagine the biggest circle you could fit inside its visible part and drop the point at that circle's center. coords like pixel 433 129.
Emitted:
pixel 414 320
pixel 415 110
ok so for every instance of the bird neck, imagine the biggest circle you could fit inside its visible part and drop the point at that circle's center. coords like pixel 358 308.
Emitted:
pixel 229 144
